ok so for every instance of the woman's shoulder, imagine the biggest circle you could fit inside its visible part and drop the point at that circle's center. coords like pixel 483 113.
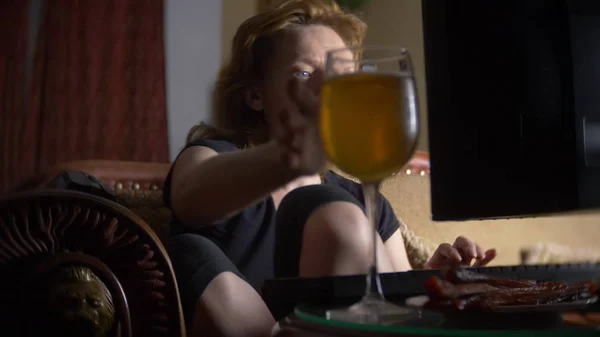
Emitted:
pixel 217 145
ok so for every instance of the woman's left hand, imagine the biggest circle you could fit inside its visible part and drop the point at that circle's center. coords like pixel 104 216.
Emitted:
pixel 296 130
pixel 463 252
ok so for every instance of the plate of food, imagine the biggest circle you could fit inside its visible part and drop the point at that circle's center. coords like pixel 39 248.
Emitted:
pixel 462 290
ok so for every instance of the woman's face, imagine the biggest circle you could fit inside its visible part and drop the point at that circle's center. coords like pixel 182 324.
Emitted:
pixel 301 54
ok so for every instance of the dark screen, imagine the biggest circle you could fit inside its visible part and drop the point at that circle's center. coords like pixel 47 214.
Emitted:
pixel 509 83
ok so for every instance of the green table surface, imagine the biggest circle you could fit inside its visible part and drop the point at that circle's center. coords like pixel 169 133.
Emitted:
pixel 434 324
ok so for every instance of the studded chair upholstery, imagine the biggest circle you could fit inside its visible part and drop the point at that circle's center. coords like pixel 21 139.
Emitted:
pixel 138 186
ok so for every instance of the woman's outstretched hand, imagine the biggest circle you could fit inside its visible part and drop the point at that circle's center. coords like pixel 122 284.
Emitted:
pixel 296 131
pixel 463 252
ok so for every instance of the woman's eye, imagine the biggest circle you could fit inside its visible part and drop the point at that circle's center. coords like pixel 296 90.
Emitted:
pixel 302 74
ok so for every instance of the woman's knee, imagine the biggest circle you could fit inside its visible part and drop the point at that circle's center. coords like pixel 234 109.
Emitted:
pixel 338 229
pixel 190 252
pixel 213 292
pixel 339 239
pixel 197 262
pixel 323 210
pixel 227 299
pixel 330 222
pixel 338 224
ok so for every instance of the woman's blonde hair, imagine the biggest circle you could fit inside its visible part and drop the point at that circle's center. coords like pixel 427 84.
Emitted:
pixel 251 50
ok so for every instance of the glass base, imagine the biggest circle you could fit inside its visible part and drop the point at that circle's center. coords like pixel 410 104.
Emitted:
pixel 374 311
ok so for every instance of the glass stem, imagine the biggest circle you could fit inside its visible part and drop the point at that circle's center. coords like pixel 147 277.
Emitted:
pixel 373 289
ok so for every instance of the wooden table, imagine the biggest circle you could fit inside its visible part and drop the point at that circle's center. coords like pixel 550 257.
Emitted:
pixel 293 326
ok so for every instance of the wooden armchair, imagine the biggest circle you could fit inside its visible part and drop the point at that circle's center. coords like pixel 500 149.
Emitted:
pixel 74 264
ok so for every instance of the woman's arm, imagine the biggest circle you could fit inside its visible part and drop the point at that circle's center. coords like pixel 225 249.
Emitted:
pixel 397 252
pixel 389 230
pixel 207 187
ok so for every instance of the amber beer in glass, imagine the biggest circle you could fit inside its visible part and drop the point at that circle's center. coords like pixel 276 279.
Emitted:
pixel 362 124
pixel 369 128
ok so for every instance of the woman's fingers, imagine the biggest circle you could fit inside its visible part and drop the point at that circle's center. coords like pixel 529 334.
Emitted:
pixel 462 253
pixel 465 247
pixel 490 254
pixel 443 256
pixel 304 98
pixel 285 120
pixel 468 250
pixel 300 104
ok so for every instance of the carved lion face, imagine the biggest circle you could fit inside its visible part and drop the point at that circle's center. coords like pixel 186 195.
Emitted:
pixel 79 303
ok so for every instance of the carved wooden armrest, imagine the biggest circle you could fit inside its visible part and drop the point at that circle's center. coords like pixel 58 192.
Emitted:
pixel 75 264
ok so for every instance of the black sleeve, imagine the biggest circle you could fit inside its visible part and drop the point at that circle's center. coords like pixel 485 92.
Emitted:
pixel 388 223
pixel 219 146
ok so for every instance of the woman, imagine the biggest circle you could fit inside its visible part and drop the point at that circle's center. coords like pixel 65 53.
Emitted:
pixel 248 199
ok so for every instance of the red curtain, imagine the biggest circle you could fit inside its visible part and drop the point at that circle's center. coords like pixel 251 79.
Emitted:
pixel 13 47
pixel 98 85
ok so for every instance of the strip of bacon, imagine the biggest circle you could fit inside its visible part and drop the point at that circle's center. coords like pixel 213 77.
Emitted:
pixel 466 290
pixel 539 294
pixel 440 289
pixel 463 276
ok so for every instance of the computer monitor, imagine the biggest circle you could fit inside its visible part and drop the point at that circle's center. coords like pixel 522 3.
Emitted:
pixel 513 92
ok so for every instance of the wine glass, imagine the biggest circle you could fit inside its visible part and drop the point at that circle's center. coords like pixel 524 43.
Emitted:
pixel 369 126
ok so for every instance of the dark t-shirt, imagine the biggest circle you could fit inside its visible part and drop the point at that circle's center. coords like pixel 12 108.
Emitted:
pixel 248 237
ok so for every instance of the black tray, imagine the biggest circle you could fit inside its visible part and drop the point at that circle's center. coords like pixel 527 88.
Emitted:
pixel 282 295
